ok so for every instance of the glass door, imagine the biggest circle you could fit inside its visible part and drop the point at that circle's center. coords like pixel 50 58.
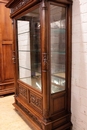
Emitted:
pixel 58 47
pixel 29 49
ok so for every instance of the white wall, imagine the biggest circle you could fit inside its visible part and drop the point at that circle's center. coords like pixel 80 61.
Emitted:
pixel 79 65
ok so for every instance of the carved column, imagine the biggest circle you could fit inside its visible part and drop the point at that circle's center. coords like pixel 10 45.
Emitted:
pixel 45 58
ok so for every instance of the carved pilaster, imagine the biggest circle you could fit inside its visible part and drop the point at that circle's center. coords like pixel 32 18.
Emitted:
pixel 45 58
pixel 45 61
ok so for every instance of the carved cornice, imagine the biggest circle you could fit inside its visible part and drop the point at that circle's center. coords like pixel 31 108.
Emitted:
pixel 19 5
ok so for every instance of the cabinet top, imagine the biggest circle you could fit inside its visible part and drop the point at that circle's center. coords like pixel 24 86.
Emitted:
pixel 12 3
pixel 19 6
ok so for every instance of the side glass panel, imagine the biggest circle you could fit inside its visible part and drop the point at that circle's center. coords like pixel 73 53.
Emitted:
pixel 58 47
pixel 29 49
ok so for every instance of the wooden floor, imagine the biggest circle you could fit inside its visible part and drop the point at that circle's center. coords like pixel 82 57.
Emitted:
pixel 9 118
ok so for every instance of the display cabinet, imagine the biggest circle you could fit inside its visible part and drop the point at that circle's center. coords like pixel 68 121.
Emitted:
pixel 42 61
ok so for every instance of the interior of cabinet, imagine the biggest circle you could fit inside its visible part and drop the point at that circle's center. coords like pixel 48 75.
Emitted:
pixel 29 49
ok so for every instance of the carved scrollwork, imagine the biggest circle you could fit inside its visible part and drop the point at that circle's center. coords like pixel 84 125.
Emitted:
pixel 23 92
pixel 36 101
pixel 19 5
pixel 45 61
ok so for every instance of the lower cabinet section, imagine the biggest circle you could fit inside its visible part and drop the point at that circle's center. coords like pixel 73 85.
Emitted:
pixel 6 88
pixel 30 104
pixel 36 120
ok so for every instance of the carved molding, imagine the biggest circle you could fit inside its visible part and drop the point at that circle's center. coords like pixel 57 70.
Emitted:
pixel 19 5
pixel 23 92
pixel 33 117
pixel 36 101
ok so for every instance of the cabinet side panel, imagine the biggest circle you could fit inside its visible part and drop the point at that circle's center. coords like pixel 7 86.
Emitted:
pixel 58 104
pixel 7 62
pixel 0 44
pixel 0 56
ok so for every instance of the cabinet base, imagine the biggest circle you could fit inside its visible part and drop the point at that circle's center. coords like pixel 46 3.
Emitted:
pixel 6 91
pixel 6 88
pixel 39 124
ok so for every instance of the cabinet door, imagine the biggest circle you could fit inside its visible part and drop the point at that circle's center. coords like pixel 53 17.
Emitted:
pixel 6 41
pixel 29 49
pixel 58 48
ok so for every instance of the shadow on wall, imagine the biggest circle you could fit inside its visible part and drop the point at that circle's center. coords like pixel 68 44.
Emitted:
pixel 79 65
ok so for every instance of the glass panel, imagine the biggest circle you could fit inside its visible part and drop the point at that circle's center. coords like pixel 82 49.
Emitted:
pixel 58 49
pixel 29 49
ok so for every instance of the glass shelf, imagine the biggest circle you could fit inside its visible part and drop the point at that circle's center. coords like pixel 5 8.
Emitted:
pixel 29 50
pixel 23 32
pixel 34 81
pixel 55 89
pixel 63 53
pixel 57 82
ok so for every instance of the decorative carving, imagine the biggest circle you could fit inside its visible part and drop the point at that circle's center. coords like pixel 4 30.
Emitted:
pixel 36 101
pixel 23 92
pixel 33 117
pixel 45 61
pixel 20 4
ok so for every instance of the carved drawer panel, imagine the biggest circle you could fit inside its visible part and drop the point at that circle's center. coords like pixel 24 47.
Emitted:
pixel 36 101
pixel 23 92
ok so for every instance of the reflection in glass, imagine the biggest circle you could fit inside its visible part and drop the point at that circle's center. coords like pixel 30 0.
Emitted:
pixel 29 49
pixel 58 50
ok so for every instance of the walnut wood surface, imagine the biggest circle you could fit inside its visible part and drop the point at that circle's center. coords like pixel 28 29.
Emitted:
pixel 6 41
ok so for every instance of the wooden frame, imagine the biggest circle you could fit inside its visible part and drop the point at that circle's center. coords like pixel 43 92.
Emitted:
pixel 45 110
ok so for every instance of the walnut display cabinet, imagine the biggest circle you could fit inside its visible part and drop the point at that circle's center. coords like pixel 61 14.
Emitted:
pixel 42 61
